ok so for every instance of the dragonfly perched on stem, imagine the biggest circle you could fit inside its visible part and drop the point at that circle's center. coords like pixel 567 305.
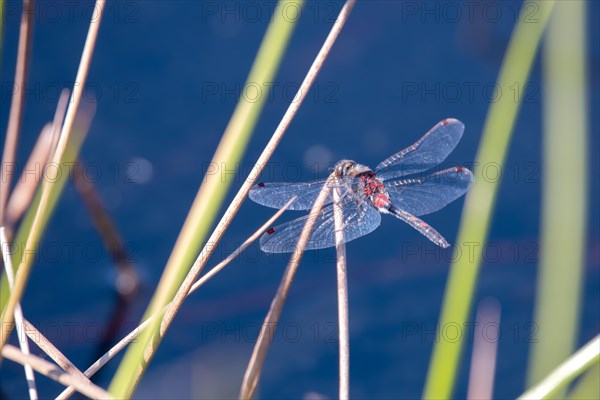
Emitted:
pixel 396 186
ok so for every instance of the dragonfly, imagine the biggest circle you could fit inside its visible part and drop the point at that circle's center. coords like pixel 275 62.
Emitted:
pixel 398 186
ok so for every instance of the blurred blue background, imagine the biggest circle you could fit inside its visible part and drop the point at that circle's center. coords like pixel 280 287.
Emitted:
pixel 166 77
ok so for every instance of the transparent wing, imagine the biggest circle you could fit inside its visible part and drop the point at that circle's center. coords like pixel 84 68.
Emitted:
pixel 276 194
pixel 427 152
pixel 420 196
pixel 358 221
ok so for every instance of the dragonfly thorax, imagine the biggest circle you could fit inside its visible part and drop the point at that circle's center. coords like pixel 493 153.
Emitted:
pixel 366 183
pixel 373 189
pixel 350 168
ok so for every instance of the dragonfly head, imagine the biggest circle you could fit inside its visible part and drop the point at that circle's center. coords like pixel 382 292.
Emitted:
pixel 349 168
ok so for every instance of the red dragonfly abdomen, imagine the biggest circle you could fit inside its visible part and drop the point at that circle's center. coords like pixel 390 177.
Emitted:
pixel 380 200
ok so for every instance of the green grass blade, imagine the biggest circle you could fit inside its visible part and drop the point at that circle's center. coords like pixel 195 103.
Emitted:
pixel 557 380
pixel 480 200
pixel 212 192
pixel 54 184
pixel 563 232
pixel 43 209
pixel 589 385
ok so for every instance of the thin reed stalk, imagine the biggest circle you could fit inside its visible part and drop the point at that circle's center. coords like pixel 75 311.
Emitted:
pixel 139 355
pixel 26 223
pixel 22 272
pixel 565 373
pixel 342 292
pixel 131 336
pixel 56 355
pixel 15 116
pixel 480 200
pixel 563 234
pixel 22 195
pixel 207 204
pixel 588 386
pixel 55 373
pixel 261 347
pixel 23 342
